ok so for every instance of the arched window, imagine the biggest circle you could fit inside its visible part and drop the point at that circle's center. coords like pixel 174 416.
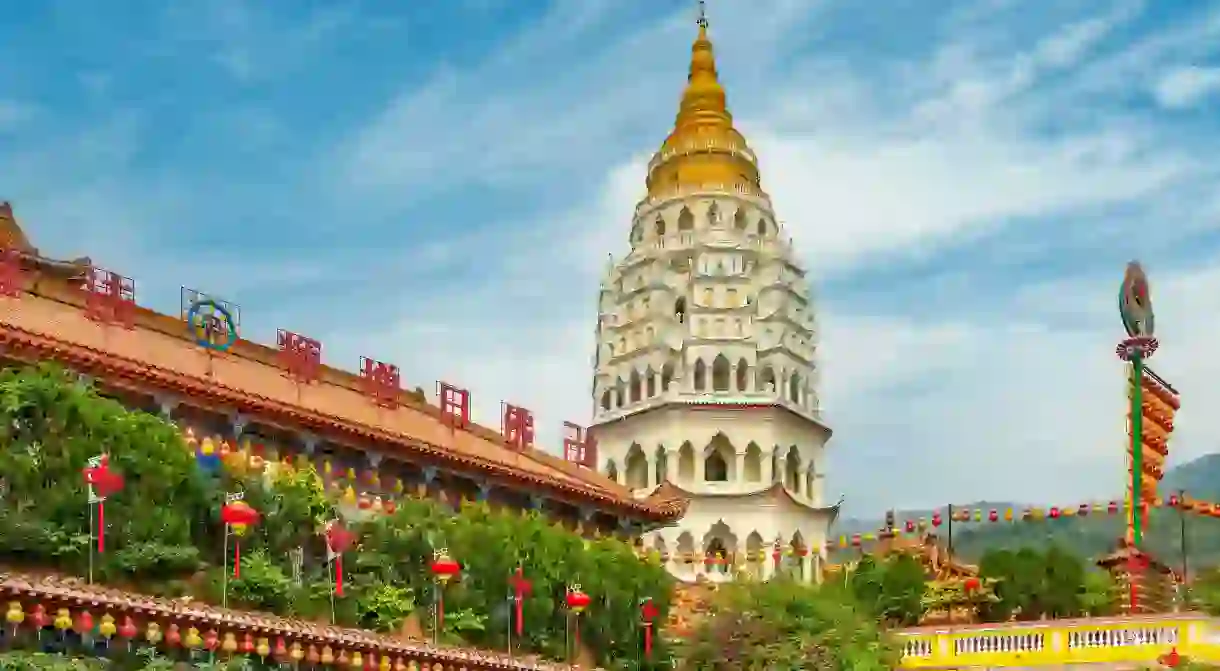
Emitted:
pixel 762 226
pixel 739 220
pixel 612 471
pixel 721 373
pixel 606 400
pixel 700 375
pixel 686 220
pixel 743 375
pixel 794 388
pixel 650 383
pixel 713 215
pixel 659 226
pixel 766 380
pixel 636 388
pixel 715 468
pixel 667 375
pixel 680 310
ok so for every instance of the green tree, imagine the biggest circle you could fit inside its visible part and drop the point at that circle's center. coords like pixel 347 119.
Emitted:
pixel 786 626
pixel 165 527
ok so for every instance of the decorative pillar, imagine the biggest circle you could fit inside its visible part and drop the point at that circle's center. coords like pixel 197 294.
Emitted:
pixel 739 468
pixel 671 464
pixel 768 466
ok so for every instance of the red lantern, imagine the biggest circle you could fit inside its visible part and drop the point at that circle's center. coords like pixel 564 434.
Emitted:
pixel 39 617
pixel 102 483
pixel 1054 515
pixel 1112 508
pixel 338 541
pixel 577 602
pixel 1173 501
pixel 128 628
pixel 281 649
pixel 1083 510
pixel 444 569
pixel 936 520
pixel 993 515
pixel 1171 658
pixel 238 517
pixel 648 613
pixel 910 526
pixel 247 643
pixel 776 555
pixel 521 589
pixel 173 637
pixel 971 584
pixel 84 622
pixel 211 640
pixel 856 541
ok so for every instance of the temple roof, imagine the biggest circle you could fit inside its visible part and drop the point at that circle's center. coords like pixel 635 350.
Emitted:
pixel 159 353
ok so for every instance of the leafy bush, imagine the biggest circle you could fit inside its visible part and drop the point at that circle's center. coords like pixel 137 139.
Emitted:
pixel 786 626
pixel 166 534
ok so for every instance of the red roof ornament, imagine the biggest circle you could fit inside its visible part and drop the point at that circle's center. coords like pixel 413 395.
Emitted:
pixel 110 298
pixel 12 274
pixel 579 446
pixel 517 425
pixel 455 405
pixel 382 381
pixel 299 355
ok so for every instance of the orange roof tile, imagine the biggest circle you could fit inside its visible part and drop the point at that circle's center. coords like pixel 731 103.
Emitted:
pixel 67 592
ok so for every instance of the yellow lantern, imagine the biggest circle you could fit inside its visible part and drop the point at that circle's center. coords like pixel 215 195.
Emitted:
pixel 263 648
pixel 296 652
pixel 193 640
pixel 328 655
pixel 357 660
pixel 153 633
pixel 63 619
pixel 107 627
pixel 15 615
pixel 383 663
pixel 229 644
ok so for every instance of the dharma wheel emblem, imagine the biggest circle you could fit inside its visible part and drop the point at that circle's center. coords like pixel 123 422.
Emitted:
pixel 1135 303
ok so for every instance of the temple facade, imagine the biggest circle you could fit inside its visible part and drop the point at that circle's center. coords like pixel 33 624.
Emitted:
pixel 371 440
pixel 705 385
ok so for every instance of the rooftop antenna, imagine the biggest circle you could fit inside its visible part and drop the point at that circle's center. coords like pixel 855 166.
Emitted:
pixel 702 21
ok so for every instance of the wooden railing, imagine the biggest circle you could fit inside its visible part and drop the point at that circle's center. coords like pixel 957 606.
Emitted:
pixel 1118 640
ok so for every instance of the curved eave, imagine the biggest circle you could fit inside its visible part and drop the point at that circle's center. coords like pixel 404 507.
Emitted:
pixel 29 346
pixel 772 490
pixel 704 404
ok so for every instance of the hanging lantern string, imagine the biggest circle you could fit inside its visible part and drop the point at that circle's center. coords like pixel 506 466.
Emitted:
pixel 969 515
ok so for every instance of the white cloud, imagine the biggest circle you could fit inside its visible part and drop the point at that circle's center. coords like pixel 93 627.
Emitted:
pixel 1186 86
pixel 872 161
pixel 1022 400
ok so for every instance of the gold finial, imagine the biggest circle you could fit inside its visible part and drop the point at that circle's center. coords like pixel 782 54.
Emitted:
pixel 703 151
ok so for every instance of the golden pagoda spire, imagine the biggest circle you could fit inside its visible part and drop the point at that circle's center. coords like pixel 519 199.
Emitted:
pixel 703 151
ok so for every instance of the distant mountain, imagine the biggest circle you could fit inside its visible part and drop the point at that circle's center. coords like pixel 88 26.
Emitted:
pixel 1095 535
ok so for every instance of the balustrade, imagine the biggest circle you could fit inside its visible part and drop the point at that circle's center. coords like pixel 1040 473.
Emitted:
pixel 1137 640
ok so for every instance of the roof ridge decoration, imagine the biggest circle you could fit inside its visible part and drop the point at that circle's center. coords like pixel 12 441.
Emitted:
pixel 64 592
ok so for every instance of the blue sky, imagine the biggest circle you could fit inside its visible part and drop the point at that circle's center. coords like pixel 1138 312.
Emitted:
pixel 439 185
